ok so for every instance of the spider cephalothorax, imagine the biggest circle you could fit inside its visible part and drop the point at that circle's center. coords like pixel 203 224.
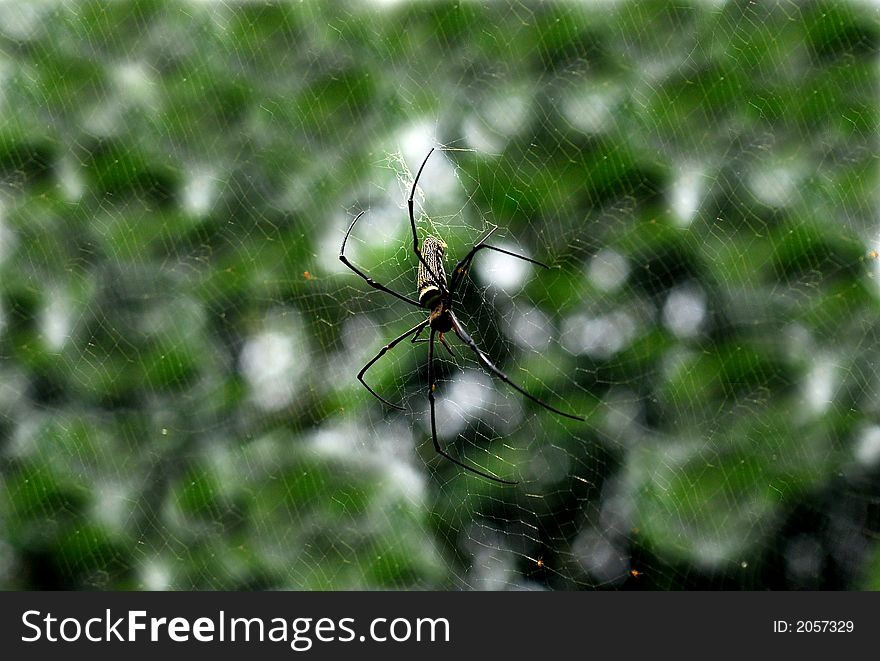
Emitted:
pixel 435 294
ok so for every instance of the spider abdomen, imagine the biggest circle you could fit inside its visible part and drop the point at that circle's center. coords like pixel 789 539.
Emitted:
pixel 431 282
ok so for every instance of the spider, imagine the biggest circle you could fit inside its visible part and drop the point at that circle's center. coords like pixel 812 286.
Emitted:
pixel 435 293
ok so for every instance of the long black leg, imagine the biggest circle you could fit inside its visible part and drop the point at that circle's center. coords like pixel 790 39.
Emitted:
pixel 465 263
pixel 412 221
pixel 432 386
pixel 368 279
pixel 415 329
pixel 464 337
pixel 420 340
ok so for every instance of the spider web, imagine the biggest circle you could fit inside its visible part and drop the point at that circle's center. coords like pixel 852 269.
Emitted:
pixel 179 405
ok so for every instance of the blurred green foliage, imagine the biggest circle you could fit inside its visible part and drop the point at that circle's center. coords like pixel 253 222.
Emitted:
pixel 132 454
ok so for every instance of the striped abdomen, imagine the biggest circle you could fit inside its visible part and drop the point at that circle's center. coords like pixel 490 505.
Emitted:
pixel 429 289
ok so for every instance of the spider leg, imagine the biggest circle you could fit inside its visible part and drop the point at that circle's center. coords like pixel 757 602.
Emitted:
pixel 368 279
pixel 464 337
pixel 420 340
pixel 412 221
pixel 415 329
pixel 446 344
pixel 432 386
pixel 465 263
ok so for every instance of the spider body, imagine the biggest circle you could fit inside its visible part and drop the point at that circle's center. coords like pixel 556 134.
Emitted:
pixel 435 293
pixel 431 291
pixel 440 319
